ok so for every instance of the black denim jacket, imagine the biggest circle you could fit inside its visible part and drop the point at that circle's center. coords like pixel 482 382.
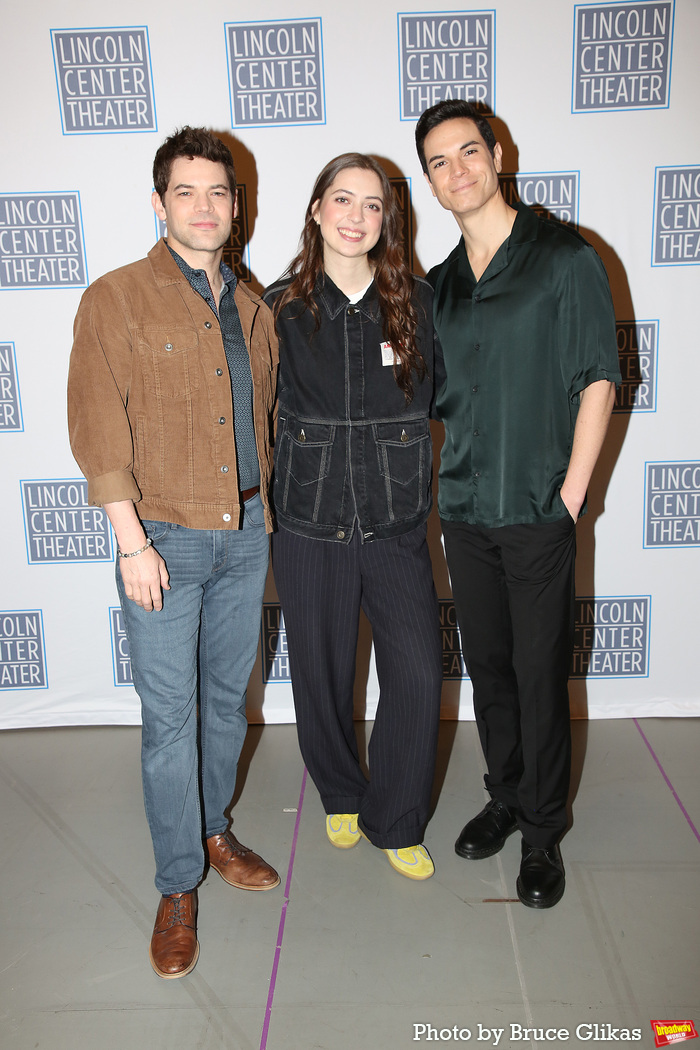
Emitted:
pixel 349 450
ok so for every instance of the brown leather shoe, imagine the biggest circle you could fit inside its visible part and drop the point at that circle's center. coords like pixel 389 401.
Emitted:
pixel 238 865
pixel 174 947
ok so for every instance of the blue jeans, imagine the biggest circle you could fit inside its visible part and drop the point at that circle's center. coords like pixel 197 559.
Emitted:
pixel 199 649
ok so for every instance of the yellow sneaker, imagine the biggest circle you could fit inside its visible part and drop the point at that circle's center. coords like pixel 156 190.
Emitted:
pixel 412 861
pixel 342 829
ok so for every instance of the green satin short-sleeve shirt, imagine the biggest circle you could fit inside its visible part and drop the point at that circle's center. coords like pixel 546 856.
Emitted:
pixel 520 344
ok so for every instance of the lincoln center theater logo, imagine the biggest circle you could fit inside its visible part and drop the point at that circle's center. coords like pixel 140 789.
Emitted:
pixel 611 637
pixel 622 56
pixel 10 403
pixel 41 241
pixel 672 505
pixel 676 217
pixel 637 343
pixel 22 651
pixel 276 72
pixel 235 252
pixel 668 1033
pixel 274 644
pixel 60 526
pixel 104 80
pixel 453 666
pixel 552 194
pixel 121 660
pixel 446 55
pixel 402 190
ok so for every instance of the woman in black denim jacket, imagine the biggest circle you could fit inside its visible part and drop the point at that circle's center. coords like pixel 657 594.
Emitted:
pixel 352 493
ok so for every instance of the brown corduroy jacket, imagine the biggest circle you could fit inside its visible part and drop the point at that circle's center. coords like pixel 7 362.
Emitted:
pixel 150 411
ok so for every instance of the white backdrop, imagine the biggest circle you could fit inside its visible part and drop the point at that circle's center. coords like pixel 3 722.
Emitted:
pixel 597 110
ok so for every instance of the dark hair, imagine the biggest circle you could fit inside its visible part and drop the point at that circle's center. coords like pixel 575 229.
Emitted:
pixel 451 109
pixel 392 277
pixel 191 142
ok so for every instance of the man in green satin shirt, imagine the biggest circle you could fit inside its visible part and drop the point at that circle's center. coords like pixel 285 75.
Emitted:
pixel 525 317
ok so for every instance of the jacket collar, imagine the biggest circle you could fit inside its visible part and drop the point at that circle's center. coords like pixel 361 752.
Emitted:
pixel 166 271
pixel 334 301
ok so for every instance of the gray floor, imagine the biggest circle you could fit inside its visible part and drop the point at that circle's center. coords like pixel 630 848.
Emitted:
pixel 346 954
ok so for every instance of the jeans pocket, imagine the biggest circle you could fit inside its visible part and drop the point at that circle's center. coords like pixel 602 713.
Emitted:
pixel 157 530
pixel 254 513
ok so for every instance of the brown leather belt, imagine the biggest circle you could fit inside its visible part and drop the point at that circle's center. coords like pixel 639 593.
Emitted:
pixel 249 493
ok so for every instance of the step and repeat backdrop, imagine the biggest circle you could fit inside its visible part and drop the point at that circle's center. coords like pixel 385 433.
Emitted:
pixel 596 107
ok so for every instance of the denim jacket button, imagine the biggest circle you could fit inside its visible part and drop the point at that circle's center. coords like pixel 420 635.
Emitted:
pixel 168 346
pixel 340 535
pixel 302 435
pixel 404 435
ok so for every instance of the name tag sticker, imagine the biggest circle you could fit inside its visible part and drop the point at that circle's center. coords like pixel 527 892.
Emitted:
pixel 387 354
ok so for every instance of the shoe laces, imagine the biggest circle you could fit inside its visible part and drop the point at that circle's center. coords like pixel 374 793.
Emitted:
pixel 177 917
pixel 234 848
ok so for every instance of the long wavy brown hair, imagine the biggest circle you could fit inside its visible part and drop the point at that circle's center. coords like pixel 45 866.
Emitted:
pixel 392 277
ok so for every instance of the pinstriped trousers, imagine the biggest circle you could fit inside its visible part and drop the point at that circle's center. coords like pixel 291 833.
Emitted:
pixel 322 586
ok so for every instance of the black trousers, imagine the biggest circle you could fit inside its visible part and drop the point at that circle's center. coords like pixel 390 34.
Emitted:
pixel 514 595
pixel 322 585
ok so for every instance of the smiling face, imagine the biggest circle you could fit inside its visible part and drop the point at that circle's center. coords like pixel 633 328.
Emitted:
pixel 197 207
pixel 462 172
pixel 350 215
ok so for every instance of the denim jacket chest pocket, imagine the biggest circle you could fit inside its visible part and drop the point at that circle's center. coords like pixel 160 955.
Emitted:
pixel 169 360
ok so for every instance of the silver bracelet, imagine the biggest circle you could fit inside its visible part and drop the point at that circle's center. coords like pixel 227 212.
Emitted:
pixel 147 544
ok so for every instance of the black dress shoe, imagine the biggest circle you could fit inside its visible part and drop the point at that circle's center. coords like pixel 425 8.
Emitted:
pixel 541 881
pixel 487 832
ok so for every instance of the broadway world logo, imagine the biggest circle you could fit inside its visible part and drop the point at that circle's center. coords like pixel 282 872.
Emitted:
pixel 668 1033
